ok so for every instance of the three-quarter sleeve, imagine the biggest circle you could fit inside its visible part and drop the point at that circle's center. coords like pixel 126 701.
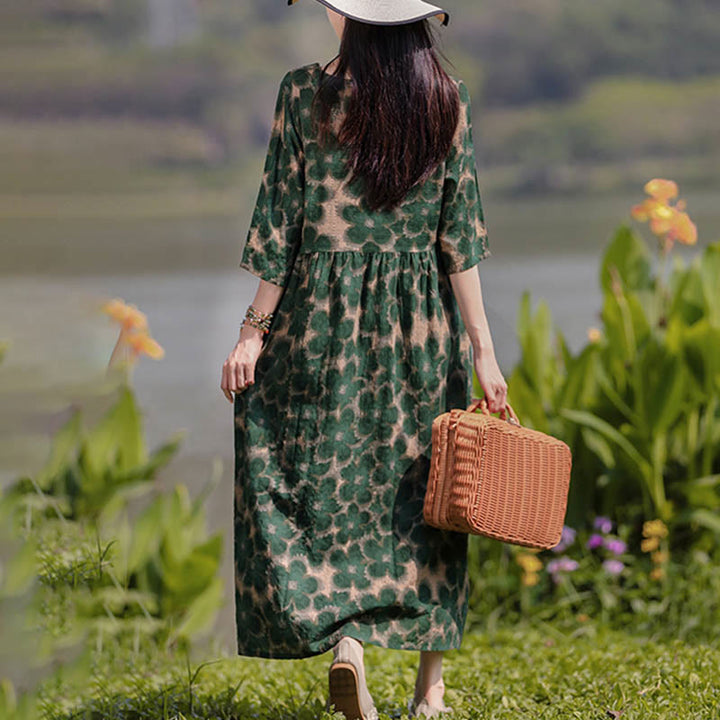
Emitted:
pixel 462 235
pixel 276 223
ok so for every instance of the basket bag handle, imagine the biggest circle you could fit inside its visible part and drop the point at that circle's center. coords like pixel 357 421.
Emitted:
pixel 482 404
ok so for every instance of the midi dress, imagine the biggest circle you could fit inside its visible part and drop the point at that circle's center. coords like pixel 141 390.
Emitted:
pixel 333 439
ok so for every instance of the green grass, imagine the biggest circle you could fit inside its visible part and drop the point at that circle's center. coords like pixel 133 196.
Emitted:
pixel 518 673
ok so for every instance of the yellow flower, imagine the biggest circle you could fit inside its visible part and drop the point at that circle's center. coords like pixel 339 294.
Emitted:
pixel 660 556
pixel 657 572
pixel 655 528
pixel 594 335
pixel 650 544
pixel 530 578
pixel 529 563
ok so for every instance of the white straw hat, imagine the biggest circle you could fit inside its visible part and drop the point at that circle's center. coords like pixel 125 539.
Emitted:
pixel 386 12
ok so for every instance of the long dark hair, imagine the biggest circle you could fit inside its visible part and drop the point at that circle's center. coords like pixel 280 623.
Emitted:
pixel 403 110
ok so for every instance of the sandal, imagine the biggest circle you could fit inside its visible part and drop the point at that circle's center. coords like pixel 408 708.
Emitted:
pixel 346 680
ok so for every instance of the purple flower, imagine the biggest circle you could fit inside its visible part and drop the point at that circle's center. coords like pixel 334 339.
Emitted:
pixel 567 538
pixel 561 564
pixel 615 545
pixel 594 541
pixel 603 524
pixel 613 567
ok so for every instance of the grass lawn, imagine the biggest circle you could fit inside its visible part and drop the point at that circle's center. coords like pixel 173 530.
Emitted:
pixel 515 673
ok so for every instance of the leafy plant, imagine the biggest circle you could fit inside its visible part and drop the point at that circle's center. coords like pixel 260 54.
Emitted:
pixel 155 576
pixel 639 404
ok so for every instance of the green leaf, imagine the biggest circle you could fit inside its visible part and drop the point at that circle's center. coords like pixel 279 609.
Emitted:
pixel 597 444
pixel 202 611
pixel 189 578
pixel 579 387
pixel 689 301
pixel 660 387
pixel 702 354
pixel 525 402
pixel 639 318
pixel 615 397
pixel 701 492
pixel 631 257
pixel 705 518
pixel 64 447
pixel 619 332
pixel 129 432
pixel 583 417
pixel 710 273
pixel 147 534
pixel 116 442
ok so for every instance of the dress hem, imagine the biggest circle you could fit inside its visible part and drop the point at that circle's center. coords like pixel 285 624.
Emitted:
pixel 377 643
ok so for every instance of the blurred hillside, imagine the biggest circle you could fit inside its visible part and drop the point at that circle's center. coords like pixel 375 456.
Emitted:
pixel 567 96
pixel 133 132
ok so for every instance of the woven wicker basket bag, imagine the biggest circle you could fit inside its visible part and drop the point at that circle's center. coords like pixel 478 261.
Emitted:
pixel 492 476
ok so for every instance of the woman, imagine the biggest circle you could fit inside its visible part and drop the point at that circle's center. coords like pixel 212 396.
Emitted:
pixel 366 236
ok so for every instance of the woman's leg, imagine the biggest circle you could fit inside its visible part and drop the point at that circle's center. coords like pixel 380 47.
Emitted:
pixel 429 683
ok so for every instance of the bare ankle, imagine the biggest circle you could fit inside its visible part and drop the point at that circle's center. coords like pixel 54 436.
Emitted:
pixel 433 691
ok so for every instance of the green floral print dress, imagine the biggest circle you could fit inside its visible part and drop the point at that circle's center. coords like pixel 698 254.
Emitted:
pixel 333 440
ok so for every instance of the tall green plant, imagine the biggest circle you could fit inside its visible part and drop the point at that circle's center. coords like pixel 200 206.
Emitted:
pixel 639 404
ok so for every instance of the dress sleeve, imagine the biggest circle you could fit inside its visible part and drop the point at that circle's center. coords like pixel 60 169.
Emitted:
pixel 276 224
pixel 462 236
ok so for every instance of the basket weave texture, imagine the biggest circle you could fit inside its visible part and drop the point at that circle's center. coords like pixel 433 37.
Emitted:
pixel 492 476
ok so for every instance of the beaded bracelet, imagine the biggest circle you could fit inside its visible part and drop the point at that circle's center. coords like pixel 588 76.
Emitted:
pixel 258 319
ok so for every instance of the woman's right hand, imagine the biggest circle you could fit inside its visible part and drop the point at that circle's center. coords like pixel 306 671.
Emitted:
pixel 239 369
pixel 491 380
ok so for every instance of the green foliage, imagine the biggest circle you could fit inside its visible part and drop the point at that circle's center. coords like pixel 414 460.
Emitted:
pixel 91 475
pixel 613 582
pixel 639 404
pixel 86 571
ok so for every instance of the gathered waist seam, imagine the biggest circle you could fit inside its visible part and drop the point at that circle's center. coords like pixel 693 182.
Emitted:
pixel 368 252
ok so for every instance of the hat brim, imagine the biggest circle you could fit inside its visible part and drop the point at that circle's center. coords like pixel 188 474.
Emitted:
pixel 400 13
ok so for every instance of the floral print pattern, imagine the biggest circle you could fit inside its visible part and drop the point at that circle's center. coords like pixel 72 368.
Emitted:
pixel 333 440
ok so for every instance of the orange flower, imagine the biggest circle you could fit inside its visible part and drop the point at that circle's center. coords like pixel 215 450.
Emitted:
pixel 647 209
pixel 141 342
pixel 660 189
pixel 683 229
pixel 134 338
pixel 129 317
pixel 660 556
pixel 662 218
pixel 670 223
